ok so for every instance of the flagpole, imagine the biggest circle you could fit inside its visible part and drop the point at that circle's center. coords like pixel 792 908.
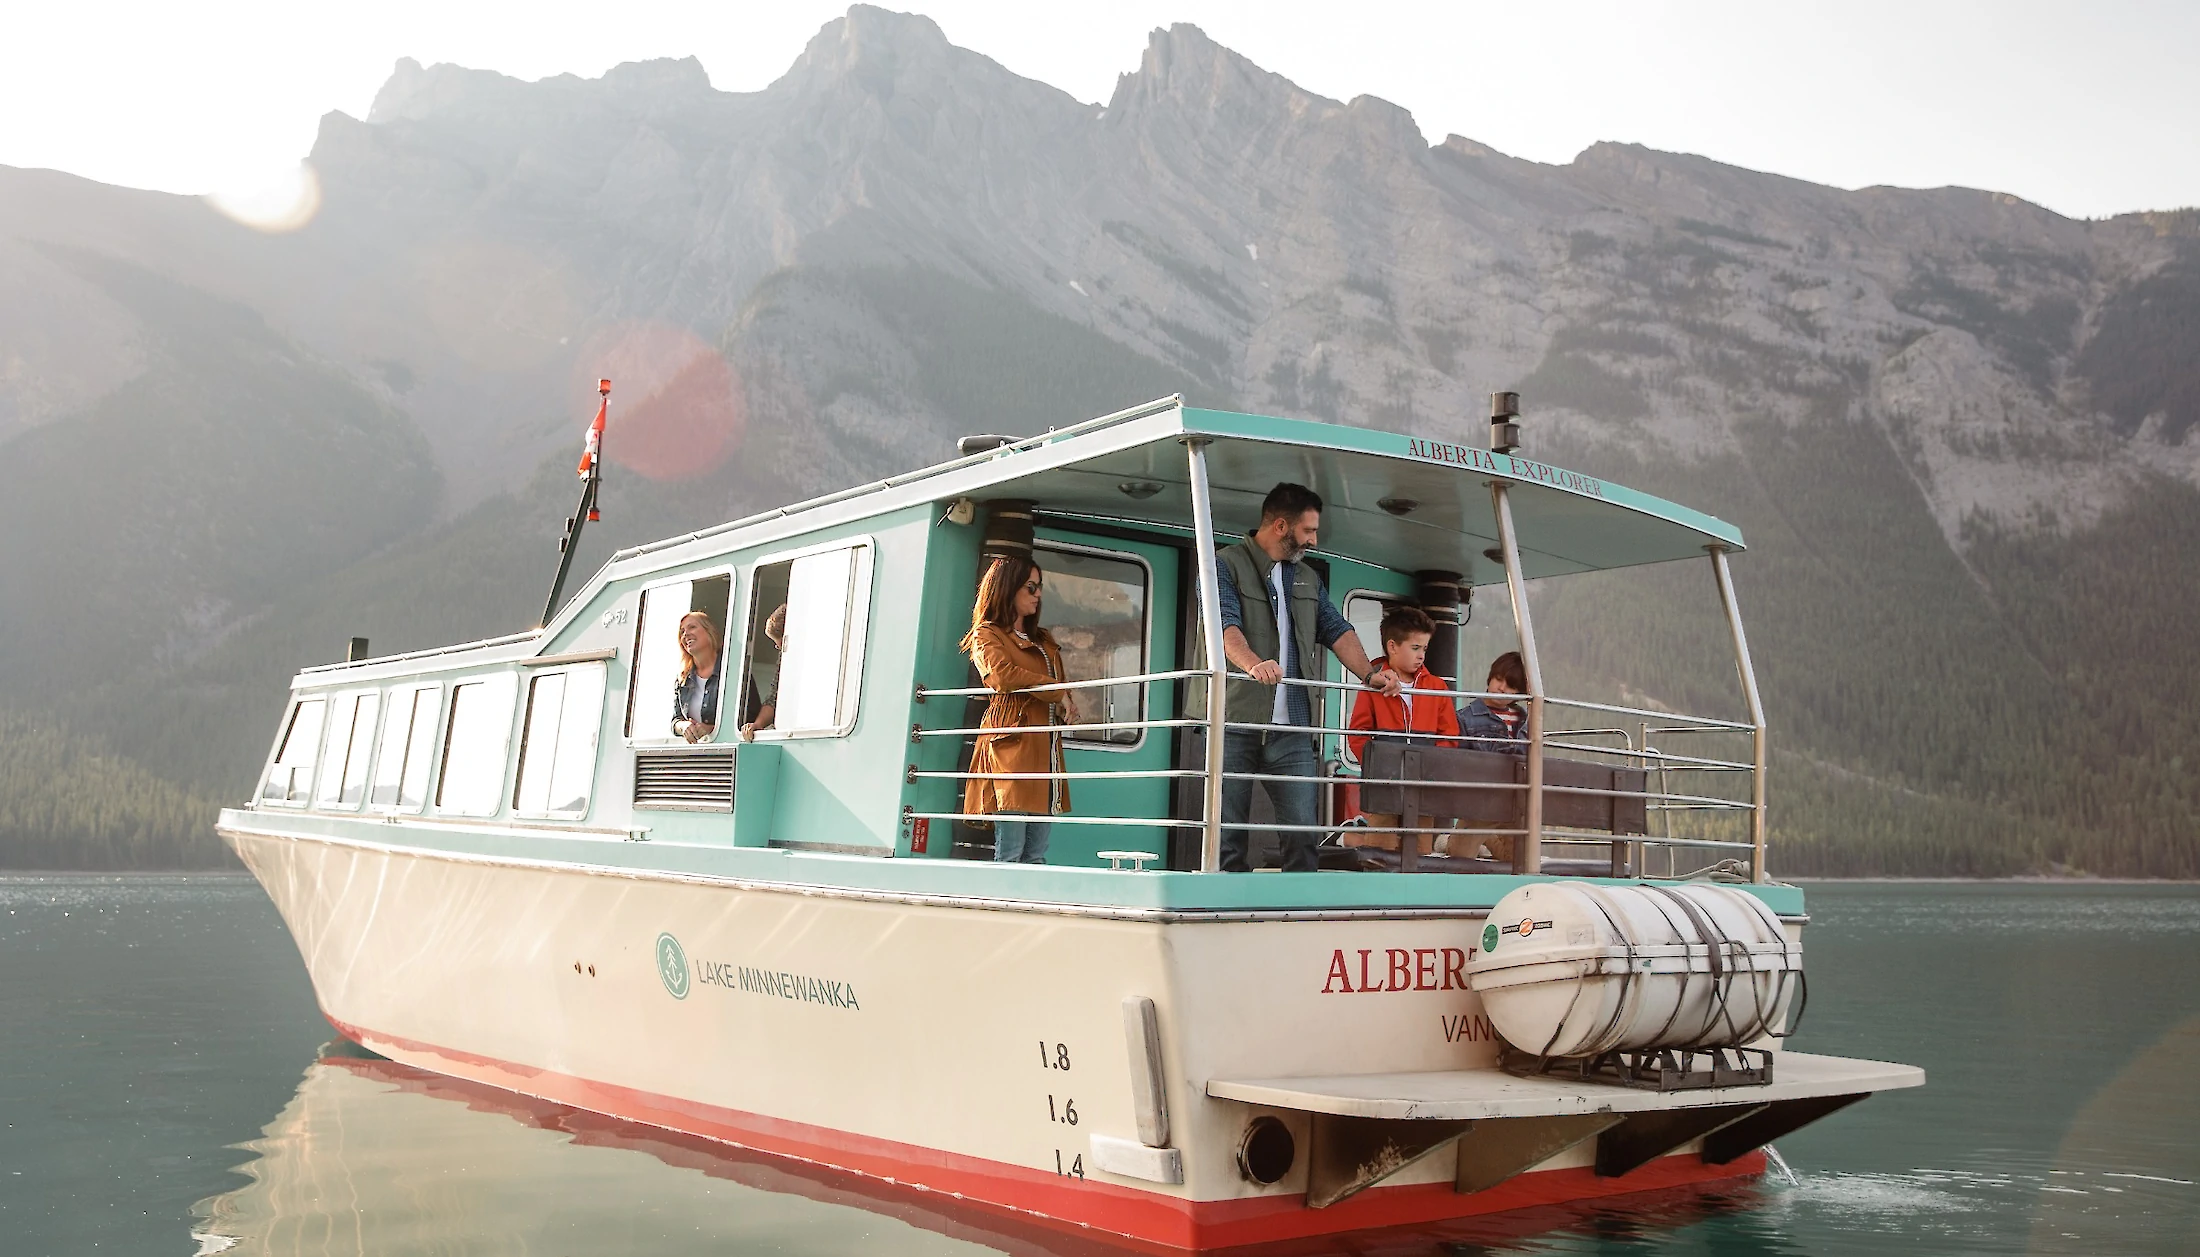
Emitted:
pixel 591 473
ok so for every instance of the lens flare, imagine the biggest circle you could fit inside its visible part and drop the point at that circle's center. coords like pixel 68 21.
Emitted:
pixel 285 203
pixel 679 412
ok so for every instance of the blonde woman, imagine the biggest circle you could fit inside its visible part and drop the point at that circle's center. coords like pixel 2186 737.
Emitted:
pixel 695 698
pixel 1014 654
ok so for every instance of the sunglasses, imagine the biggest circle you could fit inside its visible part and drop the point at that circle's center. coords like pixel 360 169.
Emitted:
pixel 1031 587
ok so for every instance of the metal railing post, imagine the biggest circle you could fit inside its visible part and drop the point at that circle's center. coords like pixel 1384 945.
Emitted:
pixel 1748 673
pixel 1210 632
pixel 1528 858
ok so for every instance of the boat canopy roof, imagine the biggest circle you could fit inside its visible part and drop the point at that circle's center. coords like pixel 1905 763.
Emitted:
pixel 1401 502
pixel 1131 466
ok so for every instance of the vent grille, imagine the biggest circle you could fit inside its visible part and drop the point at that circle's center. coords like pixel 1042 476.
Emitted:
pixel 688 781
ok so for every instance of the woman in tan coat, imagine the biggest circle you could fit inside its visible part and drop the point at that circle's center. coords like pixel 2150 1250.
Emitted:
pixel 1013 653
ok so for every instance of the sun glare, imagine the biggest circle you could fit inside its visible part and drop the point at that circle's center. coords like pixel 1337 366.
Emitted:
pixel 285 203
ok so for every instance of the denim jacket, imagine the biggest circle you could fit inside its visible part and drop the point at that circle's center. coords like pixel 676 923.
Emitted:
pixel 1481 730
pixel 696 698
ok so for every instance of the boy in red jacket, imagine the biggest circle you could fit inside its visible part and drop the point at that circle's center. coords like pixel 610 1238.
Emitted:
pixel 1406 631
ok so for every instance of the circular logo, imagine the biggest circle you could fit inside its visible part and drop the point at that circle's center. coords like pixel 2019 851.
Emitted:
pixel 672 966
pixel 1489 937
pixel 1527 927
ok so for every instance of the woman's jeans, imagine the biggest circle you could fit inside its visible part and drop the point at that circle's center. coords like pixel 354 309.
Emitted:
pixel 1018 839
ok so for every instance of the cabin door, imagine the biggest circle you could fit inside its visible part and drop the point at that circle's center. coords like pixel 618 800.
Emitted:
pixel 1111 604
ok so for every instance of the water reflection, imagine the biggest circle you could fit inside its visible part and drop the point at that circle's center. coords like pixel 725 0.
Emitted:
pixel 376 1159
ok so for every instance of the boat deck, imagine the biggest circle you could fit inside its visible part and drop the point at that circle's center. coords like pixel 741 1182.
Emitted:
pixel 1148 894
pixel 1478 1094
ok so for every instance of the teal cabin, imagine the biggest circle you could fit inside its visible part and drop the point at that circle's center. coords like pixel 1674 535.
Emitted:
pixel 557 745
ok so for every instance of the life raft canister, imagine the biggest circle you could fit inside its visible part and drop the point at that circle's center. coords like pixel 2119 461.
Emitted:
pixel 1567 969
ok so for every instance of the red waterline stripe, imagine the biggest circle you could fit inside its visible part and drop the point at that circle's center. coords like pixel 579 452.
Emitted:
pixel 1070 1204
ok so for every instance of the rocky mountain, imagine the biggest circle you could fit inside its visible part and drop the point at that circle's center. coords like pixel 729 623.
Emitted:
pixel 1955 427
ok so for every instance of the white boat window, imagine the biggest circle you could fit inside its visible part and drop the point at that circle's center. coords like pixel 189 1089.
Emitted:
pixel 350 739
pixel 408 744
pixel 658 662
pixel 290 777
pixel 557 753
pixel 1095 605
pixel 1365 611
pixel 807 682
pixel 472 780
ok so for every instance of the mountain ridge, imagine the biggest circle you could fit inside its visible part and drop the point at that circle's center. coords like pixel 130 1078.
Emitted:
pixel 1929 409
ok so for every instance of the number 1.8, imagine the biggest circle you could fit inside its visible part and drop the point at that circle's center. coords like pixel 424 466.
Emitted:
pixel 1054 1057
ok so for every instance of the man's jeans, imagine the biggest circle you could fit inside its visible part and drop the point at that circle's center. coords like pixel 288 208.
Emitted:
pixel 1254 751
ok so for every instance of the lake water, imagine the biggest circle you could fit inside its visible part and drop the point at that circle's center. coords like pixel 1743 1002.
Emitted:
pixel 164 1090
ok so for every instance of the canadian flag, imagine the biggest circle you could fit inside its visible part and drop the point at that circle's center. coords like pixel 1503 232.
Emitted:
pixel 593 447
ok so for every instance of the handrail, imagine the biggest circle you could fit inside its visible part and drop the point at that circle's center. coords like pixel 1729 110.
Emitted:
pixel 1384 781
pixel 1059 819
pixel 1576 837
pixel 1127 774
pixel 1691 729
pixel 1625 735
pixel 1663 756
pixel 1711 722
pixel 1357 687
pixel 508 639
pixel 1098 683
pixel 1711 801
pixel 920 732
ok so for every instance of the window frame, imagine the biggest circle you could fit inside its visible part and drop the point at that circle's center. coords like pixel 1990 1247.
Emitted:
pixel 507 679
pixel 328 739
pixel 1344 743
pixel 411 691
pixel 854 646
pixel 525 700
pixel 732 573
pixel 282 739
pixel 1145 642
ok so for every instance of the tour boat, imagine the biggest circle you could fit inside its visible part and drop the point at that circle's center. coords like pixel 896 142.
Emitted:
pixel 500 863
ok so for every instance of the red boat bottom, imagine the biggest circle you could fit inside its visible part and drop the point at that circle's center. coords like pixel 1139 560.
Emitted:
pixel 1079 1206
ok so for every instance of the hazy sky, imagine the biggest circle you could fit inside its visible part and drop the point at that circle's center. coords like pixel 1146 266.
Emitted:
pixel 2088 108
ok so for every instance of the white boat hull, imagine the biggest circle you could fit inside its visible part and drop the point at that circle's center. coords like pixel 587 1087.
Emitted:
pixel 943 1047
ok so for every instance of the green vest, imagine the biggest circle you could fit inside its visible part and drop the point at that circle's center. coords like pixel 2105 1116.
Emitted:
pixel 1250 702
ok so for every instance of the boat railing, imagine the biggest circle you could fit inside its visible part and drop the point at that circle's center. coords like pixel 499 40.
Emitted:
pixel 1630 747
pixel 919 732
pixel 1632 750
